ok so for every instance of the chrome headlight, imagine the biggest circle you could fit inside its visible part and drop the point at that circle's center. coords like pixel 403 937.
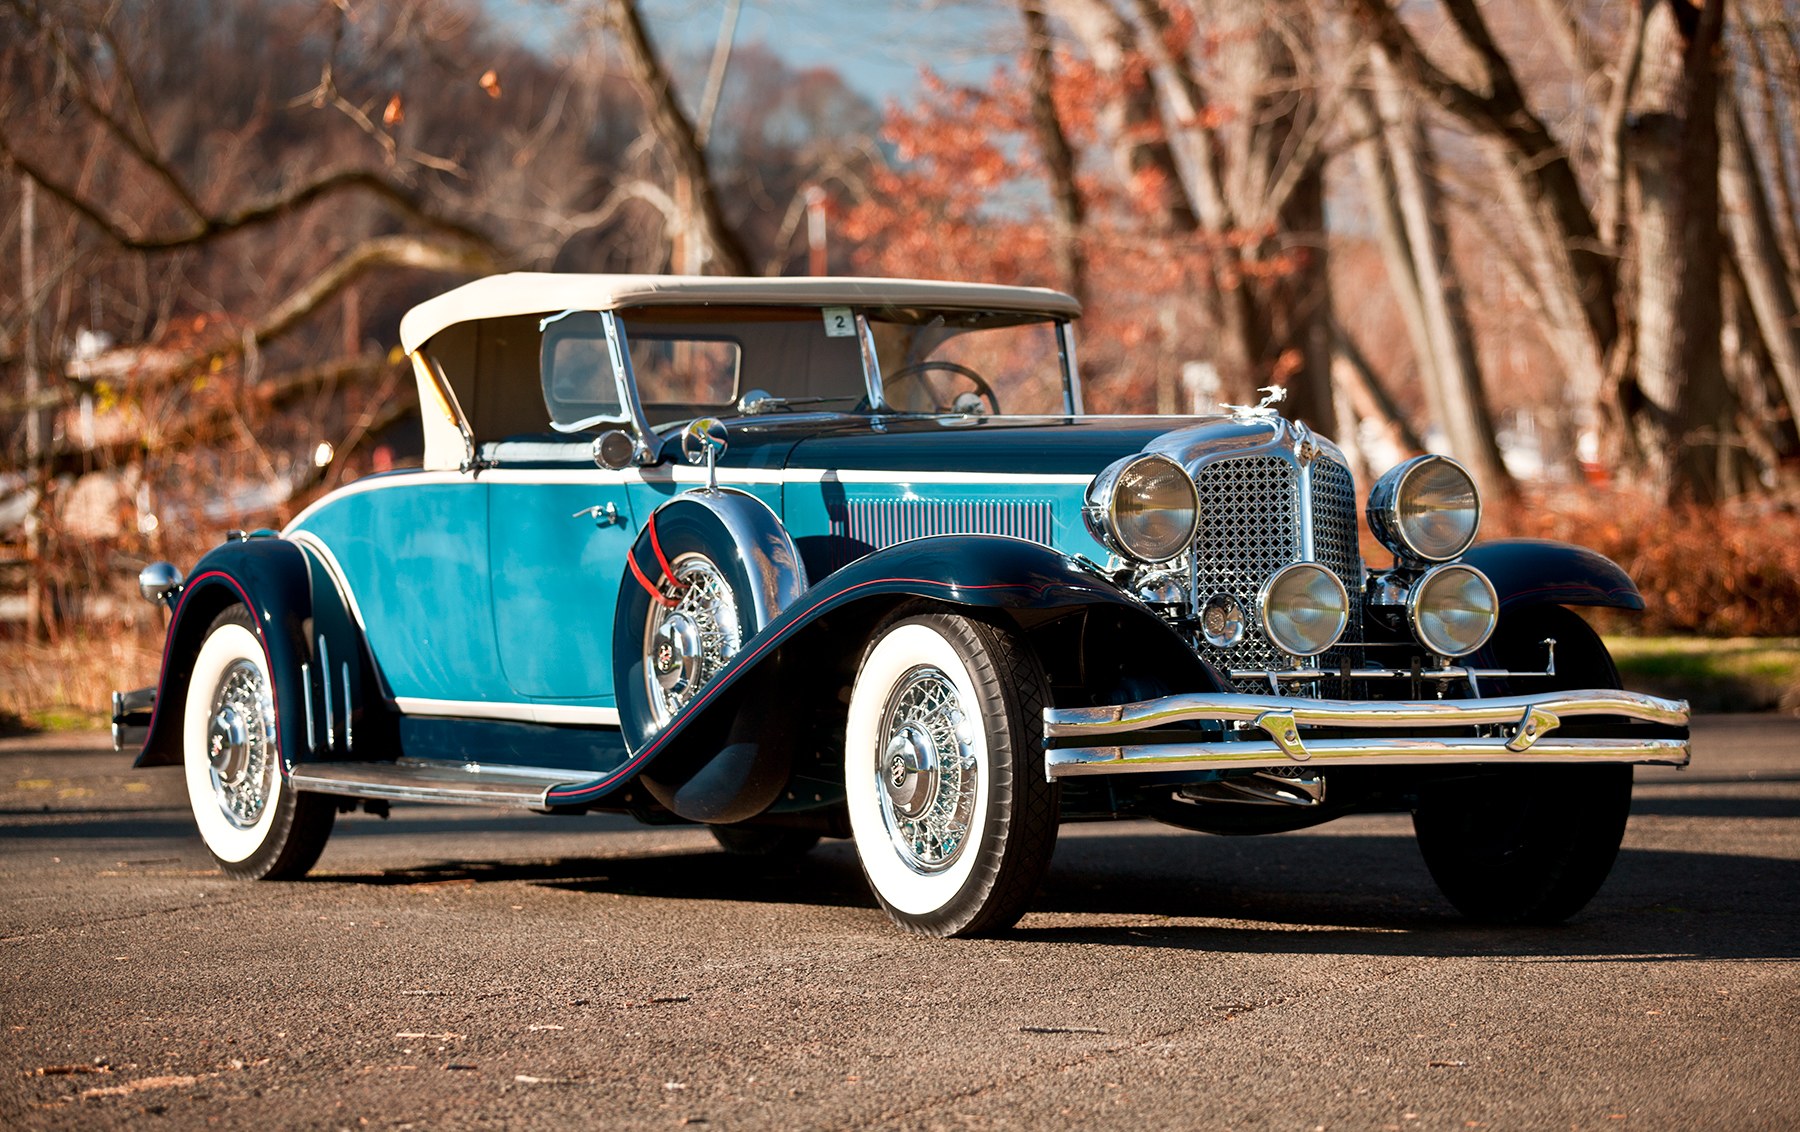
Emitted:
pixel 159 581
pixel 1143 507
pixel 1453 610
pixel 1304 609
pixel 1426 509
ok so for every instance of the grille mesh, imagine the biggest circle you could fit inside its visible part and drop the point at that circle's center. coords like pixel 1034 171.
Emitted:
pixel 1334 522
pixel 1249 528
pixel 881 523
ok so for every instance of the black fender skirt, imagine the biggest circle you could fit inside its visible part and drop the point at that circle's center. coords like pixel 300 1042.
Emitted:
pixel 975 571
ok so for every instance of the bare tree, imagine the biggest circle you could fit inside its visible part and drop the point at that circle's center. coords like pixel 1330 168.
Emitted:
pixel 1400 175
pixel 697 200
pixel 1059 160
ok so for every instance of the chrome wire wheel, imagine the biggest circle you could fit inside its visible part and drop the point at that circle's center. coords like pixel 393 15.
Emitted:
pixel 686 644
pixel 928 771
pixel 952 817
pixel 240 744
pixel 253 823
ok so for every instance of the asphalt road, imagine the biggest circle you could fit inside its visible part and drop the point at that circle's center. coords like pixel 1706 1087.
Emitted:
pixel 462 968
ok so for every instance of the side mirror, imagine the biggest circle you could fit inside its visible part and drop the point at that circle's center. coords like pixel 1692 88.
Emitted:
pixel 615 450
pixel 703 441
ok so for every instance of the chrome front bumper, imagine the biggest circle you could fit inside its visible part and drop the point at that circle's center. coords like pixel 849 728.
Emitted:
pixel 1509 729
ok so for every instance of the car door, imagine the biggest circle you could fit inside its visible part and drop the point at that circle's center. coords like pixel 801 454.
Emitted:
pixel 556 550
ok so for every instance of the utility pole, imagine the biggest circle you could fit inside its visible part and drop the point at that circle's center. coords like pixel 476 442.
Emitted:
pixel 34 418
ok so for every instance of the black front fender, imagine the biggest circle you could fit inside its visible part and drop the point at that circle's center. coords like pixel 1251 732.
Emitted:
pixel 1024 580
pixel 1528 572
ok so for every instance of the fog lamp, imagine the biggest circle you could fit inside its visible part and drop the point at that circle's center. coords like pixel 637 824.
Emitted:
pixel 1453 610
pixel 1304 609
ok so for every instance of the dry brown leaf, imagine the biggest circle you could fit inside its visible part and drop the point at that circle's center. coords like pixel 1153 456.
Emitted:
pixel 142 1084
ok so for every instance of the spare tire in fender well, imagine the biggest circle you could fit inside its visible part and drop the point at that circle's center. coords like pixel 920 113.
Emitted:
pixel 1088 633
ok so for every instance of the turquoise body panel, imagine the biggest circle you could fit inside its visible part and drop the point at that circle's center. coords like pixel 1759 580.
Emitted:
pixel 415 558
pixel 555 567
pixel 501 590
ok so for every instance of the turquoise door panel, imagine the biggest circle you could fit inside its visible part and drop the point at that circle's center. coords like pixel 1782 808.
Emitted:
pixel 556 554
pixel 415 559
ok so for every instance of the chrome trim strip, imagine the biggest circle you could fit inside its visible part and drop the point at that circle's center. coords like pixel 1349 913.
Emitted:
pixel 513 712
pixel 325 685
pixel 312 739
pixel 1074 762
pixel 1448 672
pixel 426 781
pixel 871 364
pixel 1124 718
pixel 667 474
pixel 346 669
pixel 1305 524
pixel 1072 400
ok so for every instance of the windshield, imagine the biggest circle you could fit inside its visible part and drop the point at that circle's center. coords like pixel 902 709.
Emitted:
pixel 968 362
pixel 720 361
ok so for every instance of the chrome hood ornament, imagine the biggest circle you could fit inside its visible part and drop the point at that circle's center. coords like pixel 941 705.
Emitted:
pixel 1272 395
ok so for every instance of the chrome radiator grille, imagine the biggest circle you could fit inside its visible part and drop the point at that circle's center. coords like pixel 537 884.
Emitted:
pixel 1250 527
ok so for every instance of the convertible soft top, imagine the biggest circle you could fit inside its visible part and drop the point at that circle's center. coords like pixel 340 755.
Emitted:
pixel 528 292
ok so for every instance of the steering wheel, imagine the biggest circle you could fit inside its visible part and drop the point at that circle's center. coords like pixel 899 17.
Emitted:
pixel 917 369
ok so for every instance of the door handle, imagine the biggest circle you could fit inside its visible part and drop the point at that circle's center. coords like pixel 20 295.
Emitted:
pixel 604 515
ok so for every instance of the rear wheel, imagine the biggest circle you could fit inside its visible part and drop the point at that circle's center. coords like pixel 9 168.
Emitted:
pixel 1530 844
pixel 253 822
pixel 953 820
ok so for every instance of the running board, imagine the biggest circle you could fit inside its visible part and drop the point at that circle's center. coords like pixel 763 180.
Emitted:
pixel 423 780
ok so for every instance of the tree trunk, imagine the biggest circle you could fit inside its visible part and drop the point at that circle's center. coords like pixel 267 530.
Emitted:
pixel 1053 143
pixel 672 127
pixel 1756 248
pixel 1452 366
pixel 1680 416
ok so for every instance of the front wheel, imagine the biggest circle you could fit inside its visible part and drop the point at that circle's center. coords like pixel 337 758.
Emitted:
pixel 953 819
pixel 254 823
pixel 1529 844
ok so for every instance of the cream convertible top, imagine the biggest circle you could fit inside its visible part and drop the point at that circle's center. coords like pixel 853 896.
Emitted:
pixel 525 292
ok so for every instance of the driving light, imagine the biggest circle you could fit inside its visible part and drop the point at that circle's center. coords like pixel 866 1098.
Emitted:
pixel 1143 507
pixel 1453 610
pixel 1304 609
pixel 1426 509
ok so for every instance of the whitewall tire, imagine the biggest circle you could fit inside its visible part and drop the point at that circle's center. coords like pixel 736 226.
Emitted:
pixel 952 818
pixel 253 823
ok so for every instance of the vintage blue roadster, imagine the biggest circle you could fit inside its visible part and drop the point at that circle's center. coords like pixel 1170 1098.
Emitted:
pixel 847 557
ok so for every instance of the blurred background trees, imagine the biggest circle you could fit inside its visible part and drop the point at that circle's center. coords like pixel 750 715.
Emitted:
pixel 1556 239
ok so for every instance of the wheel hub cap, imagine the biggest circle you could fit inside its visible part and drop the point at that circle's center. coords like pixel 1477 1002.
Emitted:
pixel 687 644
pixel 677 654
pixel 228 744
pixel 928 771
pixel 912 771
pixel 240 744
